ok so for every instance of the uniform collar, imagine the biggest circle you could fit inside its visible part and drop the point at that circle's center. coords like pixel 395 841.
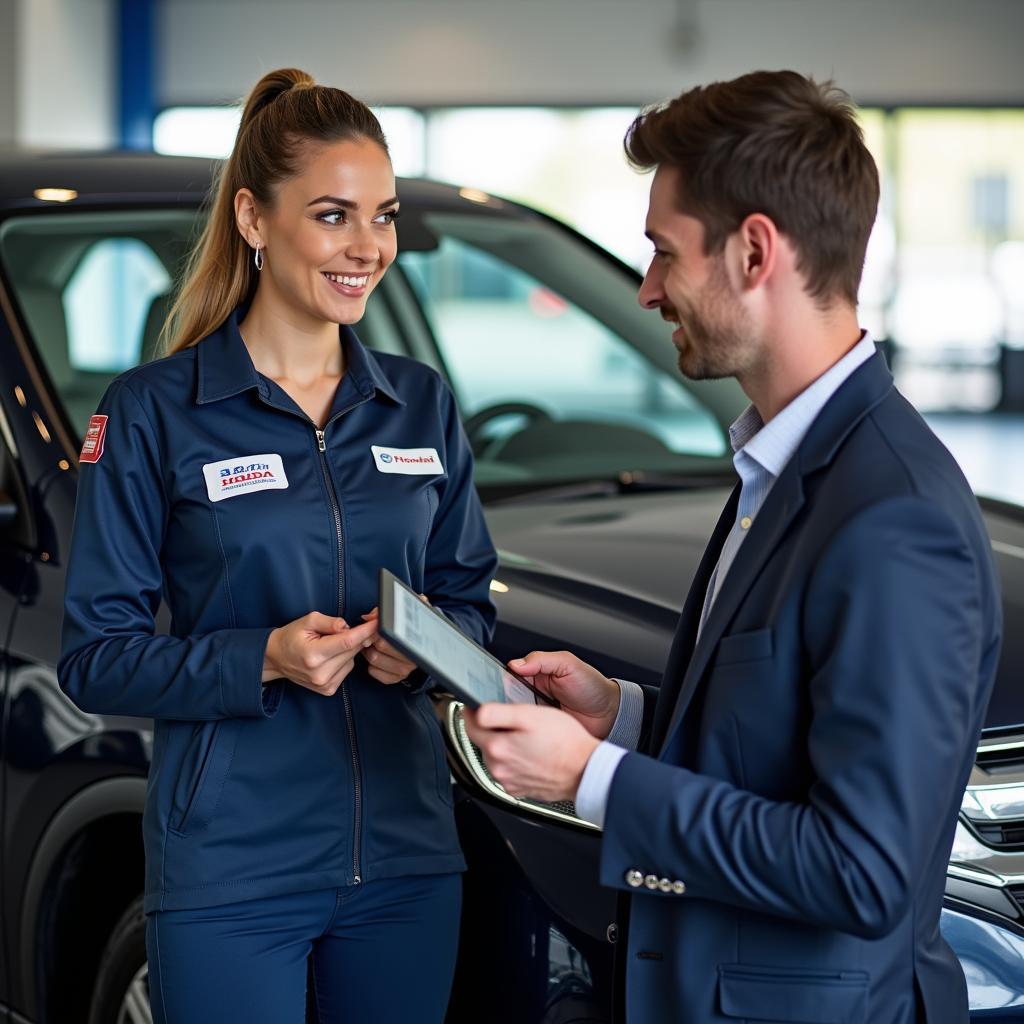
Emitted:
pixel 225 367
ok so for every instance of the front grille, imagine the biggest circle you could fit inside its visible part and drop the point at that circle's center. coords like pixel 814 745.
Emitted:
pixel 1001 835
pixel 1016 892
pixel 996 760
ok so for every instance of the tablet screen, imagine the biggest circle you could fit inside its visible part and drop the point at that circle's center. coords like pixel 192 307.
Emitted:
pixel 436 644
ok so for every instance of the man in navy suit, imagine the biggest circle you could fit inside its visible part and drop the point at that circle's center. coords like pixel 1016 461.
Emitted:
pixel 783 812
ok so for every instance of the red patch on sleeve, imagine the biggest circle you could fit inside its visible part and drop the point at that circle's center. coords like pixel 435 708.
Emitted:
pixel 92 446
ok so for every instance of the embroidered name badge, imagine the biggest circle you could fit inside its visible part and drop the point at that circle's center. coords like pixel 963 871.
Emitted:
pixel 417 461
pixel 92 445
pixel 244 475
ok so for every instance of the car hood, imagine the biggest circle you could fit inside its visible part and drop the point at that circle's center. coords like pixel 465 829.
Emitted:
pixel 616 571
pixel 644 546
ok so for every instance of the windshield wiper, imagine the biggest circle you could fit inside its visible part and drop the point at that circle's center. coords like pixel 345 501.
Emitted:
pixel 627 482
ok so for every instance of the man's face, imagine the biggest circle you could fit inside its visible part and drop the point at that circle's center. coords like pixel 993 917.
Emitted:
pixel 714 333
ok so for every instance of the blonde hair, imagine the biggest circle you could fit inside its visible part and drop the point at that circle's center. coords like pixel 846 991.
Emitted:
pixel 285 110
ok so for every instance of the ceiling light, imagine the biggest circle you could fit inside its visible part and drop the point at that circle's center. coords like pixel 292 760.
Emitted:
pixel 55 195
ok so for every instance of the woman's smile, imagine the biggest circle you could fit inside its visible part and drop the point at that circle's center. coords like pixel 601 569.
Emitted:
pixel 351 285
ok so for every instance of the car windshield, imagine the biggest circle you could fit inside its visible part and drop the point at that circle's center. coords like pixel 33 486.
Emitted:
pixel 560 376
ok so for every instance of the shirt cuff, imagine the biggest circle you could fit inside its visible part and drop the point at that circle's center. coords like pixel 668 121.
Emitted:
pixel 625 730
pixel 596 784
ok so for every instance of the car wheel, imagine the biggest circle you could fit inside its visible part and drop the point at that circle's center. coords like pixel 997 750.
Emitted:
pixel 121 995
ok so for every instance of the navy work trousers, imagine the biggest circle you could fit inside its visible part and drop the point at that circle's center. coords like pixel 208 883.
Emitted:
pixel 383 953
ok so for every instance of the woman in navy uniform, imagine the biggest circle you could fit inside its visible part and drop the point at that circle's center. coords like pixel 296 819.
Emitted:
pixel 299 802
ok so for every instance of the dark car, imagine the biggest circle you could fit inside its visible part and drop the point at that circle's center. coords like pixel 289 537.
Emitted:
pixel 602 472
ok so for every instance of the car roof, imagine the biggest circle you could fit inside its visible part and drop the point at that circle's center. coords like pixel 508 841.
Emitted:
pixel 104 177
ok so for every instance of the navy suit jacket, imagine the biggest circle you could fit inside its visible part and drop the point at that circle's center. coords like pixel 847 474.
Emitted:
pixel 805 761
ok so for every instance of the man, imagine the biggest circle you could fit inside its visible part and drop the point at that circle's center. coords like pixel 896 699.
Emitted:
pixel 784 825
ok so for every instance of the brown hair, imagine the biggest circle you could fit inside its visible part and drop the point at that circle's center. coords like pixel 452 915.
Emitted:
pixel 285 111
pixel 777 143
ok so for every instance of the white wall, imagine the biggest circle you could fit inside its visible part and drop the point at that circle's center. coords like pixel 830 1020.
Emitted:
pixel 62 55
pixel 591 51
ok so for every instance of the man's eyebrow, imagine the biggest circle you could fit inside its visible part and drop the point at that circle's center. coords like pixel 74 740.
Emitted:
pixel 654 237
pixel 348 204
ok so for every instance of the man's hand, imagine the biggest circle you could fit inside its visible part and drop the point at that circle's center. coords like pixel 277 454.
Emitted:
pixel 589 697
pixel 530 749
pixel 316 651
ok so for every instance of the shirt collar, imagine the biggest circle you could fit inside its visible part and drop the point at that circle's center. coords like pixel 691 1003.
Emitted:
pixel 772 444
pixel 225 367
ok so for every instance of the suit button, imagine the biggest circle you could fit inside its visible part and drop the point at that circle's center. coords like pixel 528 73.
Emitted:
pixel 664 885
pixel 651 881
pixel 634 878
pixel 613 933
pixel 678 887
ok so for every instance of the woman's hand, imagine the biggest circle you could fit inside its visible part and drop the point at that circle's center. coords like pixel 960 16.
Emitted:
pixel 387 666
pixel 316 651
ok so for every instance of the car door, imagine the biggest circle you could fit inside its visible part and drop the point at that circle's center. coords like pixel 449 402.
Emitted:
pixel 15 560
pixel 86 293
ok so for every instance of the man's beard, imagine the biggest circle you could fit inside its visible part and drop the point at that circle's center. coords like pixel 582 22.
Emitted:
pixel 717 338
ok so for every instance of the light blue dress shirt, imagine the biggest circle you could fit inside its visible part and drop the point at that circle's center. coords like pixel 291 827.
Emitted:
pixel 761 452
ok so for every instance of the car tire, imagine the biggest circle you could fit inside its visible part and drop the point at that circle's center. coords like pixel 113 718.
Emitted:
pixel 121 995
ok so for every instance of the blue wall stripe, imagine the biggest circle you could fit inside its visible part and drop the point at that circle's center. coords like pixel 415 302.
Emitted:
pixel 137 72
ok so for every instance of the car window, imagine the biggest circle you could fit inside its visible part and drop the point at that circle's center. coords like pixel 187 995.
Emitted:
pixel 94 289
pixel 559 374
pixel 107 301
pixel 547 388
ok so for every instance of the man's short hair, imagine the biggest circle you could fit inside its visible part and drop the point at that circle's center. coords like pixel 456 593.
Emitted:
pixel 777 143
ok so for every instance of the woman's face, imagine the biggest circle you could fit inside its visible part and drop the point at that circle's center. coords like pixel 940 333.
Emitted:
pixel 330 234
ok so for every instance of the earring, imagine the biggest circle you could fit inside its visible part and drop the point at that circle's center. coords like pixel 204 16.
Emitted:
pixel 257 257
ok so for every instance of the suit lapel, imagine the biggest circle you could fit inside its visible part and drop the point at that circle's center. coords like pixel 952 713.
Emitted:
pixel 689 620
pixel 784 501
pixel 858 395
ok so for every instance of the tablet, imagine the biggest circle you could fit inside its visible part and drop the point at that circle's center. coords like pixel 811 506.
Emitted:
pixel 438 646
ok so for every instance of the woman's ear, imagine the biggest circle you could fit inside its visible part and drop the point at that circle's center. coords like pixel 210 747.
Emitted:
pixel 247 218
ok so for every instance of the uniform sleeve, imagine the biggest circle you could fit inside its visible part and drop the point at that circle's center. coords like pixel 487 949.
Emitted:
pixel 111 663
pixel 460 558
pixel 896 628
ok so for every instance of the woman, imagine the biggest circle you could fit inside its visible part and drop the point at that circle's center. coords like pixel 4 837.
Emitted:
pixel 296 805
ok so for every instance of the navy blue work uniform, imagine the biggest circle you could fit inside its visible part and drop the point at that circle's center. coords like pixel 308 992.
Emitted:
pixel 203 482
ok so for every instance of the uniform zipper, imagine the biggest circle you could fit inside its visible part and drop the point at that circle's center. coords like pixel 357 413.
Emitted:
pixel 346 699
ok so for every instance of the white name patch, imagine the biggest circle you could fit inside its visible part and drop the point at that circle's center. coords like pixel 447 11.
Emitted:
pixel 419 461
pixel 244 475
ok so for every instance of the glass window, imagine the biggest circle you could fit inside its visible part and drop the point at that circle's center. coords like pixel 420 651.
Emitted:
pixel 960 233
pixel 546 385
pixel 94 289
pixel 876 283
pixel 196 131
pixel 568 163
pixel 106 302
pixel 211 131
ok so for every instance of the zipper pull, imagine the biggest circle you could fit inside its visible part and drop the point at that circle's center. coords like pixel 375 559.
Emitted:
pixel 320 440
